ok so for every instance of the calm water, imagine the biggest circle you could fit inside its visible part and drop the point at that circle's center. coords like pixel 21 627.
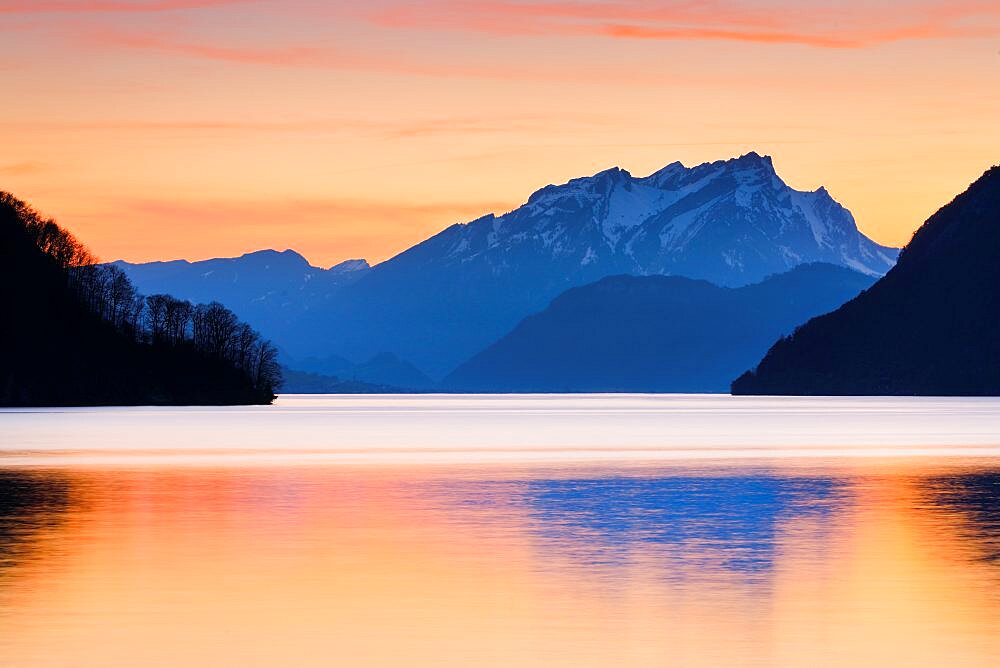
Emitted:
pixel 509 531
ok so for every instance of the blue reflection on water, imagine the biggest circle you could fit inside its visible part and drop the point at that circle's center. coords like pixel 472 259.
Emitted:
pixel 733 520
pixel 694 521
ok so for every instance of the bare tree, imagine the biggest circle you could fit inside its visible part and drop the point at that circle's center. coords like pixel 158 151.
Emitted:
pixel 156 317
pixel 266 372
pixel 120 296
pixel 214 329
pixel 244 343
pixel 177 319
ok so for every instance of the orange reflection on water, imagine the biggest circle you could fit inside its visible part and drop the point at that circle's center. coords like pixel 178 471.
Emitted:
pixel 379 566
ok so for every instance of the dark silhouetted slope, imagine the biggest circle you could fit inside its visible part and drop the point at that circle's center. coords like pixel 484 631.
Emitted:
pixel 56 350
pixel 653 333
pixel 929 327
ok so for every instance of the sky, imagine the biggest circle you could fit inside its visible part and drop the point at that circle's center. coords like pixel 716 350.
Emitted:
pixel 160 129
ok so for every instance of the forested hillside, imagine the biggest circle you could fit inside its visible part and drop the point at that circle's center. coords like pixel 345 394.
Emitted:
pixel 76 333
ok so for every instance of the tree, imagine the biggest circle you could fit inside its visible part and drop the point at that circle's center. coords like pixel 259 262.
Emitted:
pixel 266 372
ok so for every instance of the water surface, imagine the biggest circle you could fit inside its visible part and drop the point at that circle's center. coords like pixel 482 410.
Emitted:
pixel 457 531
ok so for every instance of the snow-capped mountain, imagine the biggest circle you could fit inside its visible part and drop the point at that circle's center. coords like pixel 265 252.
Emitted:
pixel 732 222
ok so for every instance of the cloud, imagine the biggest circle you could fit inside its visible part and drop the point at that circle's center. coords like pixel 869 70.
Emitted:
pixel 528 17
pixel 294 56
pixel 109 6
pixel 850 25
pixel 330 57
pixel 21 168
pixel 282 56
pixel 836 41
pixel 395 129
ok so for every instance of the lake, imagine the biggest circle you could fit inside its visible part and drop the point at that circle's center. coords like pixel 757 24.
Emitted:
pixel 552 530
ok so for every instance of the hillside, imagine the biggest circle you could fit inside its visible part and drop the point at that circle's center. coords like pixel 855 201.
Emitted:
pixel 79 334
pixel 929 327
pixel 653 333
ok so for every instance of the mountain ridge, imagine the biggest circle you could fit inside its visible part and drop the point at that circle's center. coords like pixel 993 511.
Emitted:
pixel 653 333
pixel 270 289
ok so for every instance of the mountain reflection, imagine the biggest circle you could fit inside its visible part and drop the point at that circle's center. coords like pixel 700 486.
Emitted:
pixel 30 503
pixel 701 522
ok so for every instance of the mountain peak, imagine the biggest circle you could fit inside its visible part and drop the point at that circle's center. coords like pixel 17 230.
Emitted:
pixel 754 155
pixel 602 182
pixel 752 161
pixel 615 173
pixel 755 171
pixel 348 266
pixel 288 256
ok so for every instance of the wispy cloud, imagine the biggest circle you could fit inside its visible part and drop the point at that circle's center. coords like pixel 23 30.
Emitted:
pixel 330 57
pixel 832 41
pixel 310 56
pixel 21 168
pixel 110 6
pixel 851 25
pixel 397 129
pixel 295 56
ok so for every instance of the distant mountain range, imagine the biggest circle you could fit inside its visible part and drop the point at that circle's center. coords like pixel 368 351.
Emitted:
pixel 930 327
pixel 383 369
pixel 654 333
pixel 302 382
pixel 271 290
pixel 731 222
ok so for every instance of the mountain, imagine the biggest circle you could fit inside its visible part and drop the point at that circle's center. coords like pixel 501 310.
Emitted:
pixel 653 333
pixel 383 369
pixel 929 327
pixel 78 334
pixel 269 289
pixel 731 222
pixel 302 382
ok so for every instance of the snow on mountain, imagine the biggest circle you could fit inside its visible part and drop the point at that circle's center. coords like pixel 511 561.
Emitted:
pixel 348 266
pixel 732 222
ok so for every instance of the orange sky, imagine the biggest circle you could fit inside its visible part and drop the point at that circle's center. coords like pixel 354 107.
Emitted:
pixel 157 129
